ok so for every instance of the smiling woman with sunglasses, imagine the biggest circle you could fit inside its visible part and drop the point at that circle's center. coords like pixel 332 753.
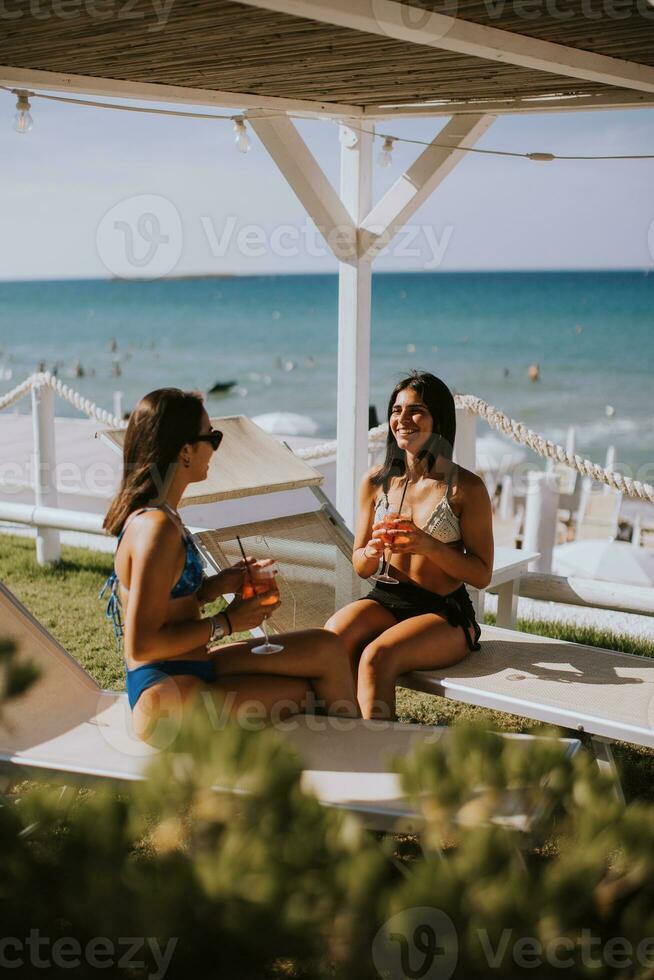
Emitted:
pixel 158 588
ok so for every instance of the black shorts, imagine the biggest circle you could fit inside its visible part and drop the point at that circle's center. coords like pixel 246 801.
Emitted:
pixel 406 600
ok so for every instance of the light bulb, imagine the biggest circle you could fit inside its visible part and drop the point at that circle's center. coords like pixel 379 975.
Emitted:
pixel 241 134
pixel 385 158
pixel 23 121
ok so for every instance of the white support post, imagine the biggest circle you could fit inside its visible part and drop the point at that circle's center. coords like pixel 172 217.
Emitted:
pixel 48 549
pixel 541 511
pixel 354 303
pixel 465 444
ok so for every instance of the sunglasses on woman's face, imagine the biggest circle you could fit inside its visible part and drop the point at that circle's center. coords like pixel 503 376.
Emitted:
pixel 214 436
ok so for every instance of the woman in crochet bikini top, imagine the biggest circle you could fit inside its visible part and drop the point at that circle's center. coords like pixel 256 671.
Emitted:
pixel 434 517
pixel 158 589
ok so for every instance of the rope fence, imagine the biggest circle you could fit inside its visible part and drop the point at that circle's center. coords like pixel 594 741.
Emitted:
pixel 82 404
pixel 518 432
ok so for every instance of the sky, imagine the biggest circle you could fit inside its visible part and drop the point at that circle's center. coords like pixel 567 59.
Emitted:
pixel 73 185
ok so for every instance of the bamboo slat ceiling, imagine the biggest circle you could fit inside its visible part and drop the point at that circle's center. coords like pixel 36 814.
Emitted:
pixel 218 45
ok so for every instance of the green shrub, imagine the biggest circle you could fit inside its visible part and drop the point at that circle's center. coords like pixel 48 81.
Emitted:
pixel 220 865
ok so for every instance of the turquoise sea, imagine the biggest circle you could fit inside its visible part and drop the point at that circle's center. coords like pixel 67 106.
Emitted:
pixel 592 334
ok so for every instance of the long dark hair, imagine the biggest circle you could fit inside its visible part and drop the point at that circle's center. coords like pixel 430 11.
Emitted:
pixel 159 426
pixel 440 401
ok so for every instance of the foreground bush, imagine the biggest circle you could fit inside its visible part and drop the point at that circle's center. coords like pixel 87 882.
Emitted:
pixel 176 879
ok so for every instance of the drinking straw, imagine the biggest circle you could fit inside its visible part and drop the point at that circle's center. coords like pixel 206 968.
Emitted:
pixel 406 484
pixel 247 567
pixel 399 510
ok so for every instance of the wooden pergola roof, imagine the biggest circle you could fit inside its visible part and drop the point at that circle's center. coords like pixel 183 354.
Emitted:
pixel 216 45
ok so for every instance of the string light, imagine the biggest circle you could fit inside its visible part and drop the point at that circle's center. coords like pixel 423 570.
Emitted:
pixel 385 157
pixel 538 156
pixel 23 121
pixel 243 144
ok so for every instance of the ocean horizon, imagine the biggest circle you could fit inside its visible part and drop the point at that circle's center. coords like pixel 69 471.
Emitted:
pixel 590 332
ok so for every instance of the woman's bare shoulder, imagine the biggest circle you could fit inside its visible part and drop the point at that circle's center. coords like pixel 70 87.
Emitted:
pixel 370 475
pixel 153 528
pixel 466 484
pixel 368 484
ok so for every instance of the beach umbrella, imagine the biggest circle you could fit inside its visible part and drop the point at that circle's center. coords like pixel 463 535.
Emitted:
pixel 610 561
pixel 286 424
pixel 495 453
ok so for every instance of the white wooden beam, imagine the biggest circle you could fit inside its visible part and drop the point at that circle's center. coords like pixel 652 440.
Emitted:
pixel 354 310
pixel 415 185
pixel 309 183
pixel 147 92
pixel 389 18
pixel 534 104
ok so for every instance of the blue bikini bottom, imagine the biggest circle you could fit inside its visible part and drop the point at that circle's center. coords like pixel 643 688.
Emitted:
pixel 140 678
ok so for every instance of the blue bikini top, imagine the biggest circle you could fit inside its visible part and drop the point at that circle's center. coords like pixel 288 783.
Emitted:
pixel 188 583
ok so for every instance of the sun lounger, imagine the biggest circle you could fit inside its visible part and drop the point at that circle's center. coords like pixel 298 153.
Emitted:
pixel 608 695
pixel 68 728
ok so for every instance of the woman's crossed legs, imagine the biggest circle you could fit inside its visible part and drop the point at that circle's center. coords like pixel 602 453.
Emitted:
pixel 380 649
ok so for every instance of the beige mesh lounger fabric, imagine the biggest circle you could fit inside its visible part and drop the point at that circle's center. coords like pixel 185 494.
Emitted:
pixel 66 724
pixel 314 557
pixel 249 462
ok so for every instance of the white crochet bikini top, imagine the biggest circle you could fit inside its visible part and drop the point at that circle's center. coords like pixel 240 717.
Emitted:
pixel 443 524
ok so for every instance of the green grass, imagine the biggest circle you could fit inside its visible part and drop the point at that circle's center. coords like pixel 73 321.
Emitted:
pixel 65 599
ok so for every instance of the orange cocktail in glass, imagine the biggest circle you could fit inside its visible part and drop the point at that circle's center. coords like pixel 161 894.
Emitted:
pixel 260 579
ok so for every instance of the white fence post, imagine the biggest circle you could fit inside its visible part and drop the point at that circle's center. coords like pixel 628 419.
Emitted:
pixel 506 509
pixel 610 464
pixel 118 404
pixel 48 548
pixel 541 512
pixel 465 444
